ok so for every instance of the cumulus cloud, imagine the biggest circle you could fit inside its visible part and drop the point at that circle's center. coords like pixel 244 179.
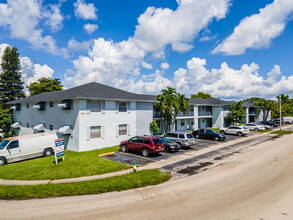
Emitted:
pixel 55 18
pixel 30 72
pixel 85 11
pixel 164 66
pixel 147 65
pixel 78 46
pixel 158 27
pixel 90 28
pixel 227 82
pixel 22 19
pixel 258 30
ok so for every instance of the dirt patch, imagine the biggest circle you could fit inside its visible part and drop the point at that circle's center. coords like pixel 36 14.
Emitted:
pixel 223 156
pixel 190 170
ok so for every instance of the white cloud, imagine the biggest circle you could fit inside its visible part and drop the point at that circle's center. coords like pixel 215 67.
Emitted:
pixel 22 18
pixel 159 27
pixel 147 65
pixel 258 30
pixel 90 28
pixel 55 18
pixel 85 11
pixel 78 46
pixel 226 82
pixel 164 66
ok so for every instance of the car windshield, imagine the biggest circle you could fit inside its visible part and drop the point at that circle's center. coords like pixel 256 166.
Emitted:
pixel 212 131
pixel 3 144
pixel 189 136
pixel 165 140
pixel 157 141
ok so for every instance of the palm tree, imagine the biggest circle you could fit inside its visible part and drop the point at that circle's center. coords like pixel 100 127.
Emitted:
pixel 181 104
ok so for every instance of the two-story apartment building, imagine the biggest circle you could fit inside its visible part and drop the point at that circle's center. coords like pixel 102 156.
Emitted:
pixel 89 116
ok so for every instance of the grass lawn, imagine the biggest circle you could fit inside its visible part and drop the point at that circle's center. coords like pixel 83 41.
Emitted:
pixel 216 129
pixel 76 164
pixel 282 132
pixel 117 183
pixel 264 131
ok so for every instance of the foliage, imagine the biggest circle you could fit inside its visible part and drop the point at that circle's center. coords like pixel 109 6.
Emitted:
pixel 44 85
pixel 170 104
pixel 154 127
pixel 265 105
pixel 201 95
pixel 287 107
pixel 5 120
pixel 11 86
pixel 116 183
pixel 76 164
pixel 236 114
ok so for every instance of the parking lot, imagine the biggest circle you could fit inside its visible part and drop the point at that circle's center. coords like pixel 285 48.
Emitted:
pixel 130 157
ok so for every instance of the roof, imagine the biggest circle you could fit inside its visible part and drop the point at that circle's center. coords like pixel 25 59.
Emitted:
pixel 88 91
pixel 248 103
pixel 209 101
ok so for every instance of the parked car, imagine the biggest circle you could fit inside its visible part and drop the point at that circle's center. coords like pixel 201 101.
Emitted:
pixel 146 145
pixel 288 120
pixel 237 130
pixel 209 134
pixel 266 126
pixel 183 139
pixel 255 127
pixel 277 121
pixel 270 123
pixel 169 145
pixel 27 146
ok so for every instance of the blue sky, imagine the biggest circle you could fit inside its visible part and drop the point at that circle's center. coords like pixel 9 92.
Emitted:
pixel 232 49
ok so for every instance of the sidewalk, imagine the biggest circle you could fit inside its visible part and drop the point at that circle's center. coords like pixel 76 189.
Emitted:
pixel 155 165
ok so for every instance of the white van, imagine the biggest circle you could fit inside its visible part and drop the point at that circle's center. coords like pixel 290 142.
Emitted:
pixel 27 146
pixel 288 120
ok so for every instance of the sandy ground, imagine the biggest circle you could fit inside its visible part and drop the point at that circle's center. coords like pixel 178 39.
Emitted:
pixel 254 184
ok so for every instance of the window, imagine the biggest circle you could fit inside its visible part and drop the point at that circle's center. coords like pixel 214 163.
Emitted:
pixel 13 144
pixel 17 107
pixel 27 105
pixel 51 104
pixel 181 136
pixel 157 141
pixel 133 140
pixel 189 136
pixel 182 122
pixel 66 104
pixel 122 129
pixel 175 135
pixel 139 140
pixel 95 106
pixel 27 125
pixel 95 132
pixel 146 141
pixel 122 106
pixel 192 122
pixel 51 127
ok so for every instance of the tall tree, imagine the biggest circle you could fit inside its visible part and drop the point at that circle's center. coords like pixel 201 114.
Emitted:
pixel 11 86
pixel 236 113
pixel 44 85
pixel 181 104
pixel 265 105
pixel 201 95
pixel 5 120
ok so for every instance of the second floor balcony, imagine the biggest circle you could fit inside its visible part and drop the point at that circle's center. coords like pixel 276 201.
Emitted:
pixel 205 113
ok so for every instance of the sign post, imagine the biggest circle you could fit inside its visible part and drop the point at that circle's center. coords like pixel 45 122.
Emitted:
pixel 59 149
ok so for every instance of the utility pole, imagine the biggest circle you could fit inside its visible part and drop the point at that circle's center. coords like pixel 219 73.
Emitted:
pixel 280 112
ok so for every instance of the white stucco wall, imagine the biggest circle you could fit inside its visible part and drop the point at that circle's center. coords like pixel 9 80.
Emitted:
pixel 144 116
pixel 218 117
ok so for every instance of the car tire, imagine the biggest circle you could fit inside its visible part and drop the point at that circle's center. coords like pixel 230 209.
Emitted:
pixel 239 134
pixel 2 161
pixel 216 138
pixel 222 132
pixel 256 129
pixel 180 145
pixel 124 148
pixel 48 152
pixel 145 152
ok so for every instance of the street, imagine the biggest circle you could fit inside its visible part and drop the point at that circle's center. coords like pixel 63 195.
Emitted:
pixel 256 183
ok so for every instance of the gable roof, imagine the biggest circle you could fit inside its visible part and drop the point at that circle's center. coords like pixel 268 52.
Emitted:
pixel 91 90
pixel 209 101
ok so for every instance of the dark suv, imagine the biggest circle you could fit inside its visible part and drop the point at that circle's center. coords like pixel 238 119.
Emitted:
pixel 146 145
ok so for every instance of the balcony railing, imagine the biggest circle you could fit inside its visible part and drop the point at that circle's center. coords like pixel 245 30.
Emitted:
pixel 205 113
pixel 251 112
pixel 190 113
pixel 158 115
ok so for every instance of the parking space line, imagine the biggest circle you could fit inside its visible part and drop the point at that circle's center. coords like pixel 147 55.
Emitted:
pixel 138 157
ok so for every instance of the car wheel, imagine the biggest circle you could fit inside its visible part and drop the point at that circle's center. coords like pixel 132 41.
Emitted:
pixel 48 152
pixel 216 139
pixel 2 161
pixel 256 129
pixel 222 132
pixel 239 134
pixel 197 136
pixel 123 148
pixel 145 152
pixel 180 145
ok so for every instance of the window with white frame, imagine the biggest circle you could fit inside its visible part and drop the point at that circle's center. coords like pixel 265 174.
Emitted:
pixel 95 132
pixel 122 106
pixel 123 129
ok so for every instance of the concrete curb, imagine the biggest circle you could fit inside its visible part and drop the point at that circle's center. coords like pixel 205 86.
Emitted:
pixel 155 165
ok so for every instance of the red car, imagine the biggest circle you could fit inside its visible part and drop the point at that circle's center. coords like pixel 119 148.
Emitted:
pixel 146 145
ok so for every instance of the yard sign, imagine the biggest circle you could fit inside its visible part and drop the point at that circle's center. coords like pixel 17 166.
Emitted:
pixel 59 149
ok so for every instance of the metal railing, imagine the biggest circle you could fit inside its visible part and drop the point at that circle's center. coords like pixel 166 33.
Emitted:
pixel 205 113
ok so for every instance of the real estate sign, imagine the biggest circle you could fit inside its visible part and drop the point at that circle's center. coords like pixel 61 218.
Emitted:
pixel 59 149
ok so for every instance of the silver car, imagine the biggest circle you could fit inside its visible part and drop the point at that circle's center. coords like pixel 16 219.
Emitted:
pixel 184 139
pixel 237 130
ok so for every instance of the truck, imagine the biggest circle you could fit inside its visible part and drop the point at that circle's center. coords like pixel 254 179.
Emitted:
pixel 27 146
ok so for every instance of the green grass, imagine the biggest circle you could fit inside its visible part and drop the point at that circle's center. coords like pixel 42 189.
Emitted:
pixel 282 132
pixel 216 129
pixel 263 131
pixel 76 164
pixel 117 183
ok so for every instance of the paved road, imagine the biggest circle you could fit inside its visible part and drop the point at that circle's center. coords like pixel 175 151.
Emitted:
pixel 254 184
